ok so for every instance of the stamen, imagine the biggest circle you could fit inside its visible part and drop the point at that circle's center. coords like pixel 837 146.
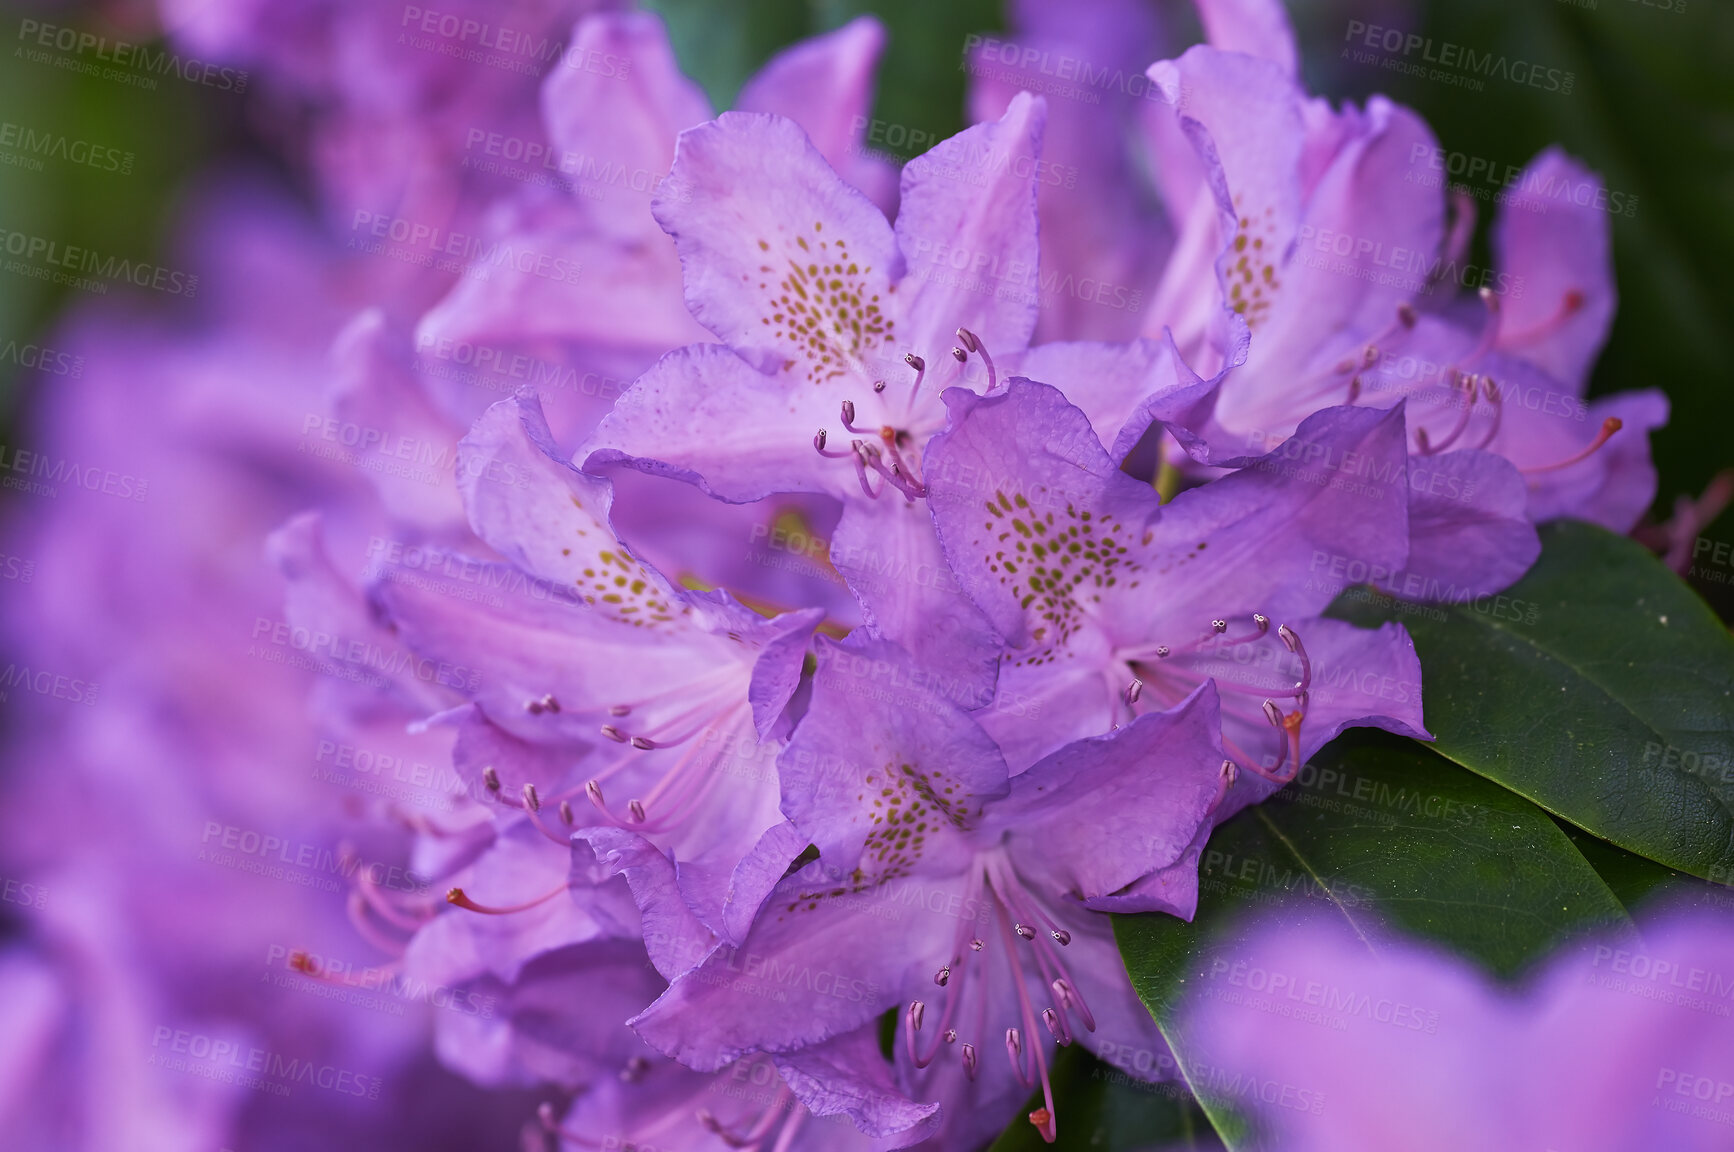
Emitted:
pixel 912 1017
pixel 1024 931
pixel 1609 426
pixel 531 800
pixel 457 896
pixel 920 367
pixel 973 342
pixel 943 976
pixel 1056 1027
pixel 1133 691
pixel 491 779
pixel 819 439
pixel 1061 937
pixel 1219 626
pixel 635 811
pixel 878 385
pixel 643 743
pixel 969 1060
pixel 614 734
pixel 1014 1044
pixel 626 709
pixel 950 1036
pixel 566 812
pixel 848 414
pixel 1569 304
pixel 976 945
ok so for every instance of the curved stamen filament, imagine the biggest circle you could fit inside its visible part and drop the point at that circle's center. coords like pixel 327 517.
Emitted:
pixel 458 897
pixel 1609 426
pixel 1569 304
pixel 356 908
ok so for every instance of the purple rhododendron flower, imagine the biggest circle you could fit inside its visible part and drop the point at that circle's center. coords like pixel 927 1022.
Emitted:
pixel 1618 1044
pixel 946 885
pixel 1332 252
pixel 469 731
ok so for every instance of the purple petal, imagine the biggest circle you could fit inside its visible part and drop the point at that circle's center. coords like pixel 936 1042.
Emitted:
pixel 623 118
pixel 759 219
pixel 889 552
pixel 1256 27
pixel 974 194
pixel 552 520
pixel 826 86
pixel 1103 813
pixel 1469 531
pixel 1553 236
pixel 676 940
pixel 877 749
pixel 817 965
pixel 847 1076
pixel 706 416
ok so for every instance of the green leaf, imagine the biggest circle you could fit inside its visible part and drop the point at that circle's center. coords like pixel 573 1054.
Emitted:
pixel 1101 1109
pixel 1381 832
pixel 1598 686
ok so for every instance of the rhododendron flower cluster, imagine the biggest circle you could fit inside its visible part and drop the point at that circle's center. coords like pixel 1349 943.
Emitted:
pixel 817 627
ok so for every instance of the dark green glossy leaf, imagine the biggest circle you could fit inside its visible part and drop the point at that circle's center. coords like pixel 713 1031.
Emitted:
pixel 1101 1109
pixel 1599 687
pixel 1386 835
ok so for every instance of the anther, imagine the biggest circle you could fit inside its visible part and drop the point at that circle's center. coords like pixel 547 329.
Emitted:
pixel 1273 713
pixel 915 361
pixel 1354 389
pixel 532 801
pixel 614 733
pixel 959 355
pixel 969 339
pixel 976 945
pixel 969 1060
pixel 550 703
pixel 878 385
pixel 943 976
pixel 1061 937
pixel 914 1013
pixel 1052 1020
pixel 818 446
pixel 1230 773
pixel 1488 298
pixel 1219 626
pixel 566 812
pixel 848 412
pixel 1369 355
pixel 1288 637
pixel 593 790
pixel 635 810
pixel 1133 691
pixel 533 707
pixel 1162 652
pixel 635 1069
pixel 1024 931
pixel 1262 621
pixel 491 778
pixel 950 1036
pixel 1406 315
pixel 1014 1043
pixel 643 743
pixel 626 709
